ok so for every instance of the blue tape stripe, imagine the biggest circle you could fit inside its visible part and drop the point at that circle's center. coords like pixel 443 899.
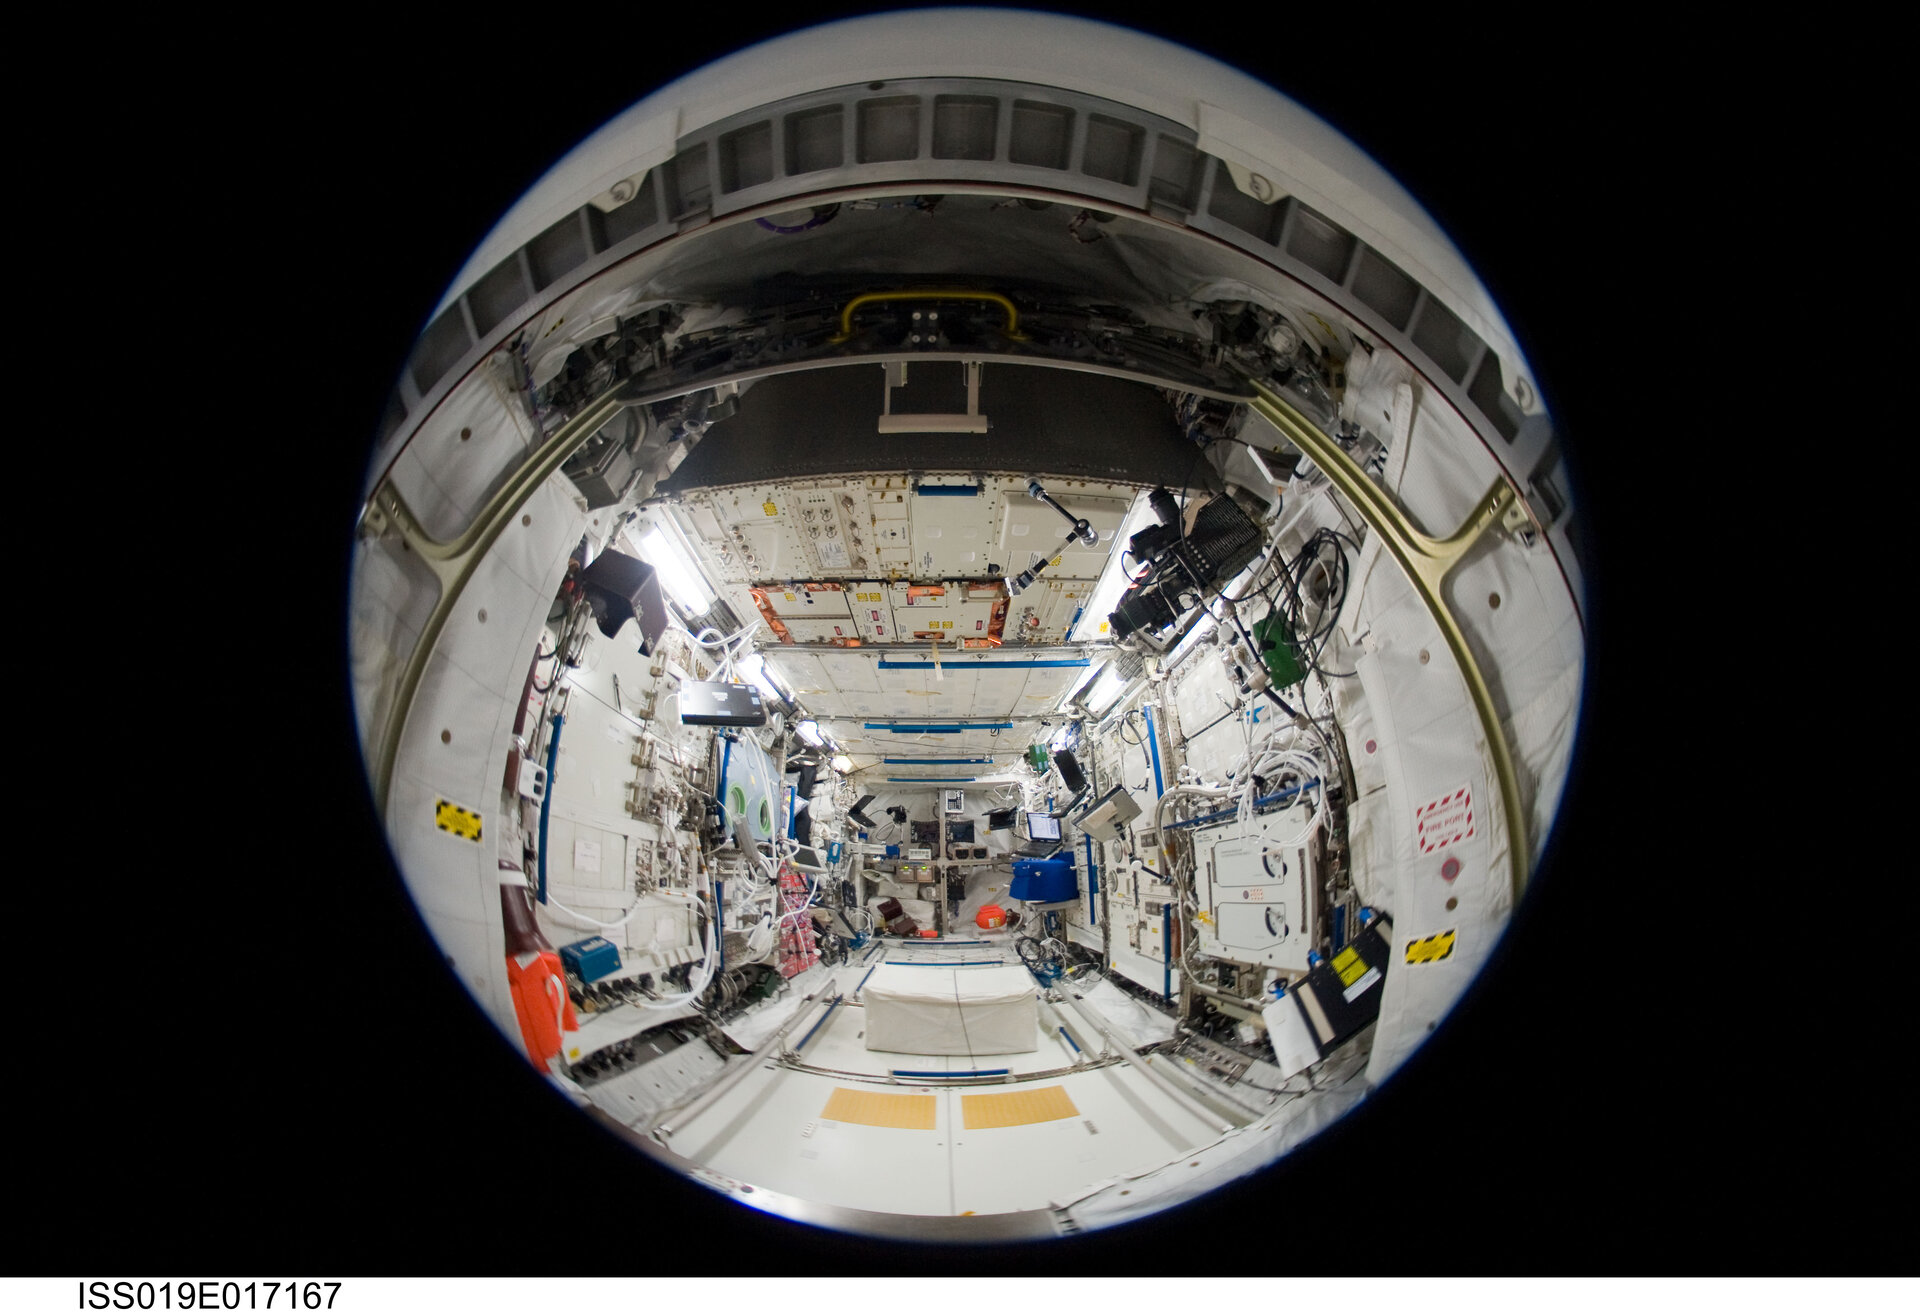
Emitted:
pixel 1153 742
pixel 1031 664
pixel 936 761
pixel 1067 1038
pixel 944 728
pixel 1166 952
pixel 977 1072
pixel 817 1025
pixel 947 490
pixel 1093 883
pixel 1225 813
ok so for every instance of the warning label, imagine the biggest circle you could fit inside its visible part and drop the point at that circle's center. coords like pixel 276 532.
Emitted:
pixel 1446 820
pixel 456 820
pixel 1350 965
pixel 1361 986
pixel 1430 950
pixel 1355 973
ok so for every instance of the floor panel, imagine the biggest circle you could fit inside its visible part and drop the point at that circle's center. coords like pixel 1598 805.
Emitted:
pixel 906 1148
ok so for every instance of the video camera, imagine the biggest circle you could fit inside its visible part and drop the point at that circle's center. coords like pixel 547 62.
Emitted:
pixel 1182 566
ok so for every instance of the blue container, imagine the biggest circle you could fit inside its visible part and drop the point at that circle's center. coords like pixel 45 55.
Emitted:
pixel 1045 880
pixel 591 958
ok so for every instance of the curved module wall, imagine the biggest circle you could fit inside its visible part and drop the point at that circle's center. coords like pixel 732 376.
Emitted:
pixel 848 140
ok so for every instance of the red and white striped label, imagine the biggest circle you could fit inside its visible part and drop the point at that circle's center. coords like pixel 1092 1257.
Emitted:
pixel 1446 820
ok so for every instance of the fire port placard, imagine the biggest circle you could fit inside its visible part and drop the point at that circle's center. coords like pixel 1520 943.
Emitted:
pixel 1445 820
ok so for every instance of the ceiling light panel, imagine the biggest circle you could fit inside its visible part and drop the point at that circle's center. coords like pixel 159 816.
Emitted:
pixel 849 672
pixel 946 693
pixel 801 672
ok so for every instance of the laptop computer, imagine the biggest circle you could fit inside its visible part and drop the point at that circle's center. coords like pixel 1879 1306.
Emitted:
pixel 1043 830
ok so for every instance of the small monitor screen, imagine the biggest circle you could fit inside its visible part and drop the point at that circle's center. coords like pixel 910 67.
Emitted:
pixel 1001 819
pixel 1040 826
pixel 960 832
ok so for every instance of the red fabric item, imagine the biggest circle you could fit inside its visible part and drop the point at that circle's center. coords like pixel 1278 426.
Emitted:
pixel 541 1003
pixel 797 951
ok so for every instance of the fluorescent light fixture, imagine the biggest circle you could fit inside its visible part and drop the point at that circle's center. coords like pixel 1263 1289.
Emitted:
pixel 1201 629
pixel 810 732
pixel 1106 690
pixel 1088 677
pixel 676 570
pixel 1113 580
pixel 842 763
pixel 756 669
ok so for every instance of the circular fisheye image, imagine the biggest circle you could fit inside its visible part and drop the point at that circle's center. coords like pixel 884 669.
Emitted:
pixel 963 626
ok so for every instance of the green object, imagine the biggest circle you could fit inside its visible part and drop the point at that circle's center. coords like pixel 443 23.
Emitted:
pixel 1278 650
pixel 1037 757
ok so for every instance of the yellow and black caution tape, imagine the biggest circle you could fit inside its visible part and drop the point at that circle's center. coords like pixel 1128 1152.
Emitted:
pixel 456 820
pixel 1432 949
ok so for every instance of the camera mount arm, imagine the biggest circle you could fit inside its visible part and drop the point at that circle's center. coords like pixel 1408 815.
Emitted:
pixel 1082 532
pixel 1081 529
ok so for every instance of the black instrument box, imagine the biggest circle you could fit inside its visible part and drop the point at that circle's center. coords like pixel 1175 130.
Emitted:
pixel 714 702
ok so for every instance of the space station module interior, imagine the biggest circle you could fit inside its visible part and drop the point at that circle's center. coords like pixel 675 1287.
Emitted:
pixel 1017 700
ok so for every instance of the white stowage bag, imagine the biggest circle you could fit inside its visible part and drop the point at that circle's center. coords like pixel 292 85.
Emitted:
pixel 965 1011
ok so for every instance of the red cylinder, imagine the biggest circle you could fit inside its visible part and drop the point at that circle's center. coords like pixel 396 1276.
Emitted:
pixel 991 918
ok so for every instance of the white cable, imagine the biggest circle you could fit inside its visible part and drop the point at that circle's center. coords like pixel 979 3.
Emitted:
pixel 730 647
pixel 552 903
pixel 695 989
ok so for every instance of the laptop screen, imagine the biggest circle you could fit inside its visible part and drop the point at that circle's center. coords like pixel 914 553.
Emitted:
pixel 1043 827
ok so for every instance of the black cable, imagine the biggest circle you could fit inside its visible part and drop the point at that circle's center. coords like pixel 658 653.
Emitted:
pixel 1309 647
pixel 1232 711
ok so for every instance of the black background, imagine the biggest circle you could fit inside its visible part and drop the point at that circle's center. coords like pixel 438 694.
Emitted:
pixel 295 1084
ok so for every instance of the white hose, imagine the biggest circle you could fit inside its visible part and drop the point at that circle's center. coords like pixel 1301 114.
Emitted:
pixel 694 989
pixel 730 646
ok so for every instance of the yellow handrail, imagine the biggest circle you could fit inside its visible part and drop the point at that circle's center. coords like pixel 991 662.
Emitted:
pixel 1427 563
pixel 933 294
